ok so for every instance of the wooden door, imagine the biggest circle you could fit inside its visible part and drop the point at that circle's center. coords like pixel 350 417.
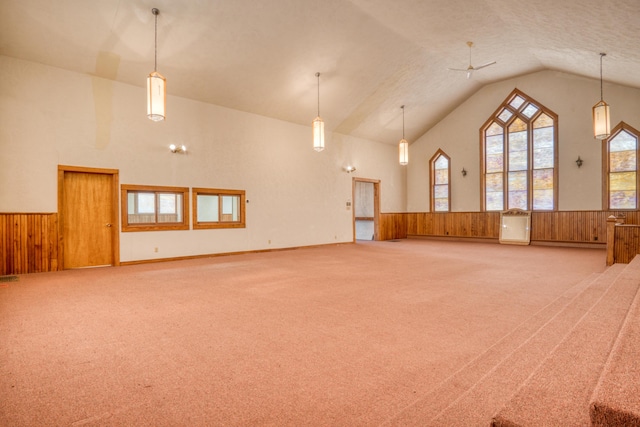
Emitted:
pixel 88 218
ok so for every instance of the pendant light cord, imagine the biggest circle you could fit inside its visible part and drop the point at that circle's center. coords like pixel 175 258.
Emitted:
pixel 601 55
pixel 318 76
pixel 155 13
pixel 402 121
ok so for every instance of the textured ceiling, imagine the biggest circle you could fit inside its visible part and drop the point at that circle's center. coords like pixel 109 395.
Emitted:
pixel 261 56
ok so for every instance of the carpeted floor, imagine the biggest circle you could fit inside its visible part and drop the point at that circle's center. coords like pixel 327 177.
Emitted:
pixel 347 335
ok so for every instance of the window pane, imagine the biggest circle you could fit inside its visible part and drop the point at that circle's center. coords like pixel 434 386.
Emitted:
pixel 146 203
pixel 494 144
pixel 530 110
pixel 131 203
pixel 494 192
pixel 543 200
pixel 620 161
pixel 517 181
pixel 442 162
pixel 518 199
pixel 441 205
pixel 167 203
pixel 622 181
pixel 494 129
pixel 517 160
pixel 441 191
pixel 543 189
pixel 230 208
pixel 170 207
pixel 543 179
pixel 505 115
pixel 517 185
pixel 543 121
pixel 543 151
pixel 622 200
pixel 442 176
pixel 207 208
pixel 518 146
pixel 517 102
pixel 495 163
pixel 494 201
pixel 623 141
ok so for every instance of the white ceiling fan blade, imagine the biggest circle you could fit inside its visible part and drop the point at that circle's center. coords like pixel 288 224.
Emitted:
pixel 485 65
pixel 458 69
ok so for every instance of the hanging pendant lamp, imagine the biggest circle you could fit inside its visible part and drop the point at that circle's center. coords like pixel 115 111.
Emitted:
pixel 403 146
pixel 318 125
pixel 601 118
pixel 156 84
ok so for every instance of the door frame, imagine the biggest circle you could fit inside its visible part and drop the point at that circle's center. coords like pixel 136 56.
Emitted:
pixel 376 206
pixel 115 219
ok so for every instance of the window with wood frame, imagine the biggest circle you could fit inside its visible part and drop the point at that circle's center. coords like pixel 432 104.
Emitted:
pixel 519 156
pixel 440 173
pixel 153 208
pixel 621 168
pixel 216 208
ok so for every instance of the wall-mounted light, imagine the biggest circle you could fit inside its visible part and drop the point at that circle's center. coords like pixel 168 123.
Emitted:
pixel 156 84
pixel 181 149
pixel 579 161
pixel 463 172
pixel 349 169
pixel 403 145
pixel 318 125
pixel 601 121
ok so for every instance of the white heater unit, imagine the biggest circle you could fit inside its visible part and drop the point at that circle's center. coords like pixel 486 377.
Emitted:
pixel 515 227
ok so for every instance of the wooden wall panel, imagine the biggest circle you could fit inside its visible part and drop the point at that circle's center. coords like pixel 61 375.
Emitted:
pixel 578 227
pixel 393 226
pixel 28 243
pixel 627 243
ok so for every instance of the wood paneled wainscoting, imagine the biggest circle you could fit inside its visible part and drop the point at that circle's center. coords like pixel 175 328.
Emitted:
pixel 623 240
pixel 559 227
pixel 28 243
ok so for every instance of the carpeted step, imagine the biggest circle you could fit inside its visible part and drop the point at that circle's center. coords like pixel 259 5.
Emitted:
pixel 558 392
pixel 522 338
pixel 616 401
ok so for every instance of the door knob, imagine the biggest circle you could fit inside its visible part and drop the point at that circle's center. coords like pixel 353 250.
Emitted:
pixel 108 225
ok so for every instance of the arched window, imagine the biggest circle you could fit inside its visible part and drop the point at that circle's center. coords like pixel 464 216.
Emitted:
pixel 621 168
pixel 519 156
pixel 440 171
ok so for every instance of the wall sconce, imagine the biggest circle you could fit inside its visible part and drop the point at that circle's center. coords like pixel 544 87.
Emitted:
pixel 178 149
pixel 349 169
pixel 463 172
pixel 579 162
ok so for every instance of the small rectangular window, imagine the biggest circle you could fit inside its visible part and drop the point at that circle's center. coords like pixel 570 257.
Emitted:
pixel 216 208
pixel 151 208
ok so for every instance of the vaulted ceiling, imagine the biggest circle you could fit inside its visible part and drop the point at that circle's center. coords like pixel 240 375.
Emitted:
pixel 261 56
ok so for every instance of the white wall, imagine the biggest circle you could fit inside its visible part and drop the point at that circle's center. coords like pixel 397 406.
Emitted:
pixel 569 96
pixel 297 197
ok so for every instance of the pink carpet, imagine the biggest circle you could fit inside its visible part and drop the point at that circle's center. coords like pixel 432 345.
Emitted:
pixel 347 335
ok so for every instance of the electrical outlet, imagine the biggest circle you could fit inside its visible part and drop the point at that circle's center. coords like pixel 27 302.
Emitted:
pixel 155 249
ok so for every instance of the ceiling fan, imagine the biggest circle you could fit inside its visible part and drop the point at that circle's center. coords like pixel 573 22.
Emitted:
pixel 470 69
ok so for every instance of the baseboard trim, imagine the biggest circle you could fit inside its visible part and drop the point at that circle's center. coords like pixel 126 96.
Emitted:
pixel 568 244
pixel 454 238
pixel 214 255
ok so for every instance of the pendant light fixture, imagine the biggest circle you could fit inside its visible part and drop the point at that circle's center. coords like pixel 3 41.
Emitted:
pixel 403 146
pixel 601 120
pixel 318 125
pixel 156 84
